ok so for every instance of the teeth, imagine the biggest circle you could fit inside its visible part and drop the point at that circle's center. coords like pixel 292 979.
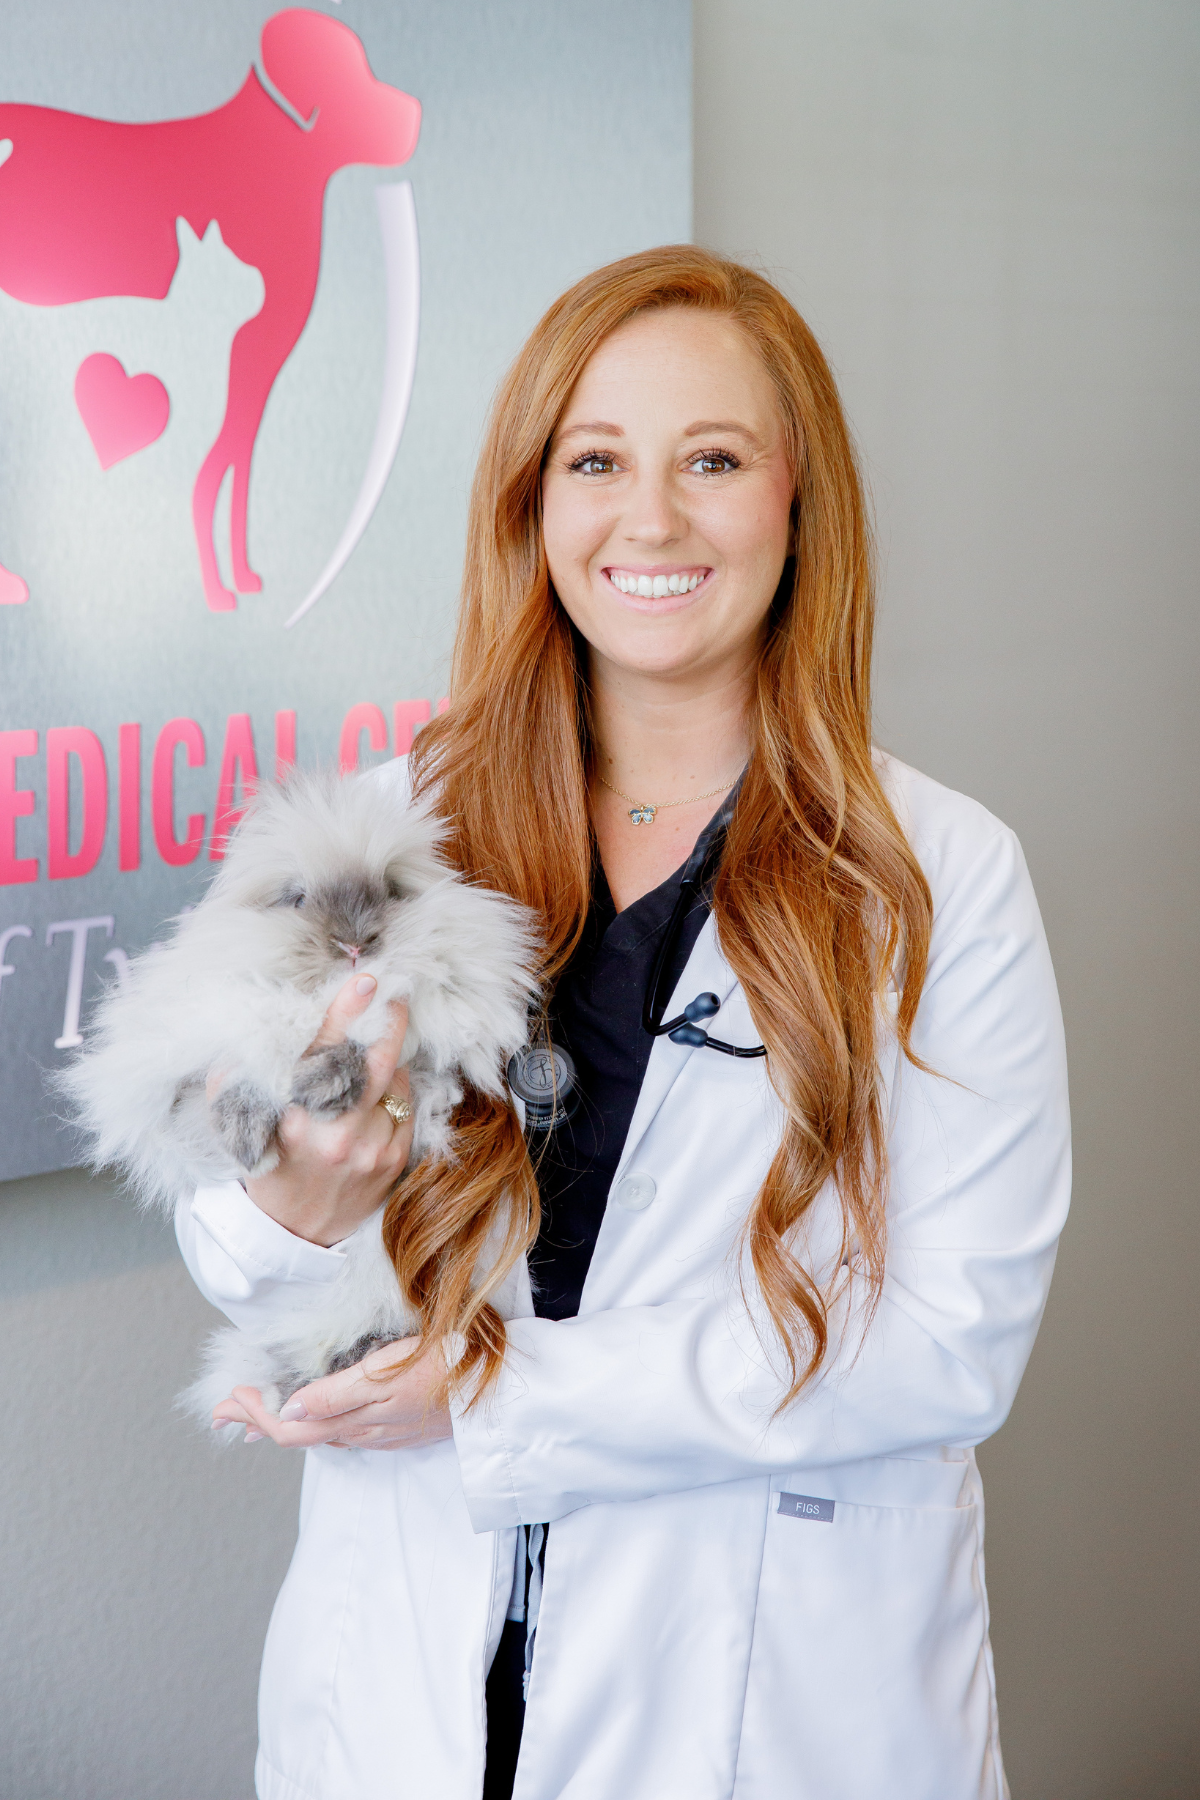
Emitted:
pixel 655 587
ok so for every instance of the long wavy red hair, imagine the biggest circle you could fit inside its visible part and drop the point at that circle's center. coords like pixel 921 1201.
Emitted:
pixel 818 898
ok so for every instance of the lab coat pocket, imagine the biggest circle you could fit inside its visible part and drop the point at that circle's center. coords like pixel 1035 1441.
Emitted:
pixel 886 1602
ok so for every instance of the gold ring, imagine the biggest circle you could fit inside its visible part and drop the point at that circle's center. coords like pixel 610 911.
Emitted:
pixel 399 1110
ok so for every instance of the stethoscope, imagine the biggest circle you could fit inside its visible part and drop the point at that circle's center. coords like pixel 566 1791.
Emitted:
pixel 686 1027
pixel 544 1076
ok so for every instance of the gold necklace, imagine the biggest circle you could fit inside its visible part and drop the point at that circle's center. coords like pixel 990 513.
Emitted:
pixel 646 812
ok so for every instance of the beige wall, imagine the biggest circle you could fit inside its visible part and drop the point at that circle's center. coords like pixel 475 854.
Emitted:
pixel 989 215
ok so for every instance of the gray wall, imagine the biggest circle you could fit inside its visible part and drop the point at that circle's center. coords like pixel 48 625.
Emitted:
pixel 138 1563
pixel 988 213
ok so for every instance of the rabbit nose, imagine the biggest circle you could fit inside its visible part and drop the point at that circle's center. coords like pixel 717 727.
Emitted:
pixel 352 950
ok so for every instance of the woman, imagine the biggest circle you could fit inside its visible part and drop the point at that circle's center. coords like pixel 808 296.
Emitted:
pixel 776 1299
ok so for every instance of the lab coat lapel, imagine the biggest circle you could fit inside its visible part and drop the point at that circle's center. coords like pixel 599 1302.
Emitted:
pixel 706 971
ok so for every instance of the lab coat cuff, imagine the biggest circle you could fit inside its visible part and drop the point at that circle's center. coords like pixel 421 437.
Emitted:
pixel 485 1465
pixel 257 1244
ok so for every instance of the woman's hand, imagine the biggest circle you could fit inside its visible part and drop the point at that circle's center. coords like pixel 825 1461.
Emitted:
pixel 333 1173
pixel 359 1409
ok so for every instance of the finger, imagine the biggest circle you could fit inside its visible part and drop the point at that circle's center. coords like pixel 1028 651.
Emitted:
pixel 360 1422
pixel 328 1398
pixel 215 1081
pixel 398 1085
pixel 229 1413
pixel 350 1389
pixel 384 1055
pixel 362 1142
pixel 380 1138
pixel 289 1437
pixel 233 1412
pixel 351 1000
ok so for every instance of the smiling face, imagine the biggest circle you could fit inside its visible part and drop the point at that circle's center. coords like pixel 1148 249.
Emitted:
pixel 667 496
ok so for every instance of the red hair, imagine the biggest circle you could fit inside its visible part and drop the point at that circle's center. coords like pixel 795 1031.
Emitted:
pixel 819 896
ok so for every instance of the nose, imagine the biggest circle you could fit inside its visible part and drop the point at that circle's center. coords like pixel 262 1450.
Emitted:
pixel 655 517
pixel 352 950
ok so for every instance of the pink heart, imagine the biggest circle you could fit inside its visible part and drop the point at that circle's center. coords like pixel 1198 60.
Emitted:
pixel 13 591
pixel 123 413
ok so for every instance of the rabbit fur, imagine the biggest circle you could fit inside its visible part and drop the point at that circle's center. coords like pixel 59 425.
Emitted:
pixel 322 877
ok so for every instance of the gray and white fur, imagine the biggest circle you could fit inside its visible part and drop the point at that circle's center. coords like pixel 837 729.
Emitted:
pixel 321 878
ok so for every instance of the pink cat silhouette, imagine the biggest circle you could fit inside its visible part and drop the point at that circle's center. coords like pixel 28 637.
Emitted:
pixel 88 210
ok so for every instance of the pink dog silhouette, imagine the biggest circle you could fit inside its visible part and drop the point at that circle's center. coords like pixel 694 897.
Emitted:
pixel 88 210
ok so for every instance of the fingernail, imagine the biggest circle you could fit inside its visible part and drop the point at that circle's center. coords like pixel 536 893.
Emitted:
pixel 295 1409
pixel 218 1423
pixel 252 1437
pixel 365 984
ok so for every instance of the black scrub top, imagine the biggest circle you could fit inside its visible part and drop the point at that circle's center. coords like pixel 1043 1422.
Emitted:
pixel 596 1015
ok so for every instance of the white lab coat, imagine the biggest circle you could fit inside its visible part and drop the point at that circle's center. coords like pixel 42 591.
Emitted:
pixel 700 1637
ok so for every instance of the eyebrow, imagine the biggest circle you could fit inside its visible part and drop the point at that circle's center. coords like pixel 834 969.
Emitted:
pixel 709 428
pixel 699 428
pixel 594 427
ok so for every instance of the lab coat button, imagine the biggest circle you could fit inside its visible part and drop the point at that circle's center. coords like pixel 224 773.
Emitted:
pixel 634 1192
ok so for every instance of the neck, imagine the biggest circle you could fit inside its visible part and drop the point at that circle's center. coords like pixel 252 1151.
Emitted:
pixel 660 740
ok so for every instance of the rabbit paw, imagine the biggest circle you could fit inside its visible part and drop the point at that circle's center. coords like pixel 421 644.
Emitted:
pixel 245 1119
pixel 331 1080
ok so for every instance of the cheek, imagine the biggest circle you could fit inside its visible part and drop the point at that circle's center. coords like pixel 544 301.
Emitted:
pixel 575 524
pixel 751 527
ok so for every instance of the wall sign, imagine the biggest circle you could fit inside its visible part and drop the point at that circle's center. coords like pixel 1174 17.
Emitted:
pixel 240 397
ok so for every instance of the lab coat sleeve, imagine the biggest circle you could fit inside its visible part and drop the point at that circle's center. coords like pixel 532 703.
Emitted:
pixel 242 1260
pixel 632 1402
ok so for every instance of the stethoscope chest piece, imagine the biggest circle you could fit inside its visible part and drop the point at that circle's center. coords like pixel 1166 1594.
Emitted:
pixel 543 1077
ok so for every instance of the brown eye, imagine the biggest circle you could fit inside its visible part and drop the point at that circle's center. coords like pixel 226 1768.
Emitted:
pixel 714 462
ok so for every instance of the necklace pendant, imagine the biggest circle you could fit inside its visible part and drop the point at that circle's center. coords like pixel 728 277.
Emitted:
pixel 642 815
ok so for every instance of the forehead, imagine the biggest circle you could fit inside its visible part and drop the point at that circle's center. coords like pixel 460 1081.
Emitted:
pixel 676 365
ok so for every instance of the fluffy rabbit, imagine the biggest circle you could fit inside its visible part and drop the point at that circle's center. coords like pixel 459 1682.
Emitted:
pixel 321 878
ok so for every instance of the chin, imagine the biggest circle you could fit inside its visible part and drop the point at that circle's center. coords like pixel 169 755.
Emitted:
pixel 664 647
pixel 663 661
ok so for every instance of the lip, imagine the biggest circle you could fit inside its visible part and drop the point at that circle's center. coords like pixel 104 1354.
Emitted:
pixel 663 603
pixel 664 568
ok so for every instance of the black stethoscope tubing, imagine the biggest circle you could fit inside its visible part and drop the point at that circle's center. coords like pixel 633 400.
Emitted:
pixel 685 1027
pixel 543 1075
